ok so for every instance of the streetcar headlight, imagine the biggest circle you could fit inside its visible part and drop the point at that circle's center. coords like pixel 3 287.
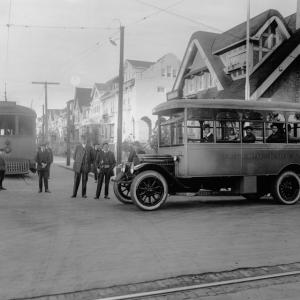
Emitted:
pixel 175 158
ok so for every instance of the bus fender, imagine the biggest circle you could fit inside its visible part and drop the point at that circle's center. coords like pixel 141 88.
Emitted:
pixel 171 179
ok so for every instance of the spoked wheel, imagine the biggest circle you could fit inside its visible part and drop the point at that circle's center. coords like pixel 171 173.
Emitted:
pixel 122 189
pixel 149 190
pixel 287 188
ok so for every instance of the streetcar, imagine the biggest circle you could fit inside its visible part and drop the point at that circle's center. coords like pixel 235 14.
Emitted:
pixel 189 163
pixel 18 137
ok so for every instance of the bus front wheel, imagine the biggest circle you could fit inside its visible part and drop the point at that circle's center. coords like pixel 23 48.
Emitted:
pixel 149 190
pixel 122 189
pixel 287 188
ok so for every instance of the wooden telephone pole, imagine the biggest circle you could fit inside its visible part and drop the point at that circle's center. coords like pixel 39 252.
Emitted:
pixel 45 83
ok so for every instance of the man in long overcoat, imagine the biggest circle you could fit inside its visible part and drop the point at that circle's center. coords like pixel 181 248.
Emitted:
pixel 83 158
pixel 43 160
pixel 105 163
pixel 2 169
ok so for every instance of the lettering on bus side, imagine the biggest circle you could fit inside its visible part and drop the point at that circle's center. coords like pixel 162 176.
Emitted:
pixel 262 156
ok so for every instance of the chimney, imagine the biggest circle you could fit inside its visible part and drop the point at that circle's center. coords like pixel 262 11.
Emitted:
pixel 298 15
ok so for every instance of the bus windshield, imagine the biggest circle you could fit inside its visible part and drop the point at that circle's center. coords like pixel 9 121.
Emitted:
pixel 171 130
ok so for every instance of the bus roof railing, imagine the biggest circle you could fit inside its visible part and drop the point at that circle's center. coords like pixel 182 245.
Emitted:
pixel 167 107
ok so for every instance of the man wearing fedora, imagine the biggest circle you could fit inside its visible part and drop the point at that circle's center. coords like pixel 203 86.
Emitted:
pixel 249 137
pixel 83 158
pixel 43 160
pixel 2 169
pixel 208 135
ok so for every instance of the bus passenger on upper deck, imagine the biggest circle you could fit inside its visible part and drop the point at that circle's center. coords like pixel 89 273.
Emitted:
pixel 208 135
pixel 276 136
pixel 249 137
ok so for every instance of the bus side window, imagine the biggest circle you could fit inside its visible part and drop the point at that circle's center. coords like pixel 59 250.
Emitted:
pixel 228 131
pixel 193 131
pixel 293 132
pixel 294 128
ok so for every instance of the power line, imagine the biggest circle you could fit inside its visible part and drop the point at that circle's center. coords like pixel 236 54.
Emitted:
pixel 57 27
pixel 6 56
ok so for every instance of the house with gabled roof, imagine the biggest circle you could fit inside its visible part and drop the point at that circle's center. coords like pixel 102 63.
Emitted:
pixel 82 101
pixel 214 65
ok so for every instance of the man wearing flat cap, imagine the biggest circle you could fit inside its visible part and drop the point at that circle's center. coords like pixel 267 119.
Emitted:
pixel 249 137
pixel 43 160
pixel 83 158
pixel 2 169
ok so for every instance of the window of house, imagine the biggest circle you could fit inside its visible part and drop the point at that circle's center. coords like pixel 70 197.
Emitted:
pixel 163 72
pixel 160 89
pixel 174 72
pixel 169 71
pixel 269 40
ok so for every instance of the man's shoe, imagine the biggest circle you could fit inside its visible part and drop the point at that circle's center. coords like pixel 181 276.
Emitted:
pixel 106 197
pixel 84 196
pixel 73 196
pixel 96 198
pixel 47 191
pixel 2 188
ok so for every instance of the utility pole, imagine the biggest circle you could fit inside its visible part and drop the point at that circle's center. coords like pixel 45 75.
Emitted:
pixel 45 83
pixel 247 83
pixel 120 100
pixel 43 124
pixel 68 134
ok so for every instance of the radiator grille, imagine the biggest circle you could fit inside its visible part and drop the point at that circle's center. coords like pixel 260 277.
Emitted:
pixel 17 166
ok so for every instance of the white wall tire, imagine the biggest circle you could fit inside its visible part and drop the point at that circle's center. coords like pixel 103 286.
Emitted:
pixel 287 188
pixel 149 190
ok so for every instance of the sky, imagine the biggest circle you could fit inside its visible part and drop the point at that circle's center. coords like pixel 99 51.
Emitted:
pixel 67 41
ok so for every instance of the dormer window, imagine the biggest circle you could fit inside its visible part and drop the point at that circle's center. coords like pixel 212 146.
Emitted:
pixel 270 39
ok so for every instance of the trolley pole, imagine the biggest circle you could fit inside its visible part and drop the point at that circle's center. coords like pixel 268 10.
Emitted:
pixel 45 83
pixel 120 100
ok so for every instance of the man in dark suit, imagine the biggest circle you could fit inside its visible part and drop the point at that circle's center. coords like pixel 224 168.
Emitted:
pixel 83 158
pixel 2 169
pixel 105 163
pixel 208 135
pixel 277 135
pixel 51 155
pixel 43 161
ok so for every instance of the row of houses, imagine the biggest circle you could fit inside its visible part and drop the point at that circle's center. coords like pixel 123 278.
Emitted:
pixel 94 110
pixel 213 66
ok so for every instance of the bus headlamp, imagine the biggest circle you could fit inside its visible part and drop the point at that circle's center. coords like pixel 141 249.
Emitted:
pixel 176 158
pixel 123 167
pixel 132 168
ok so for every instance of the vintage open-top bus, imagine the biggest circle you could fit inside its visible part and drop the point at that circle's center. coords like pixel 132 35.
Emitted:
pixel 202 146
pixel 17 137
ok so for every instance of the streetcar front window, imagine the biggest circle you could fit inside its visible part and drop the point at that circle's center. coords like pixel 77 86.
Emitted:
pixel 7 125
pixel 26 125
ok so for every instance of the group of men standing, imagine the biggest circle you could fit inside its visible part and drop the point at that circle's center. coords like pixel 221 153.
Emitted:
pixel 85 157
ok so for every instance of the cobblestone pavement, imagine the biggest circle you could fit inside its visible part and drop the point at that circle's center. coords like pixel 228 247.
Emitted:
pixel 52 244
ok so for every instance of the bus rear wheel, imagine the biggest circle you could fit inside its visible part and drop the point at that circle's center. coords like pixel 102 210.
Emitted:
pixel 149 190
pixel 122 189
pixel 287 188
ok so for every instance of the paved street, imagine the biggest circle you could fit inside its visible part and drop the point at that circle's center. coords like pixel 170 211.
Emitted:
pixel 50 243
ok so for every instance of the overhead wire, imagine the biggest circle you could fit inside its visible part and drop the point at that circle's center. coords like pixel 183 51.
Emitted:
pixel 7 51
